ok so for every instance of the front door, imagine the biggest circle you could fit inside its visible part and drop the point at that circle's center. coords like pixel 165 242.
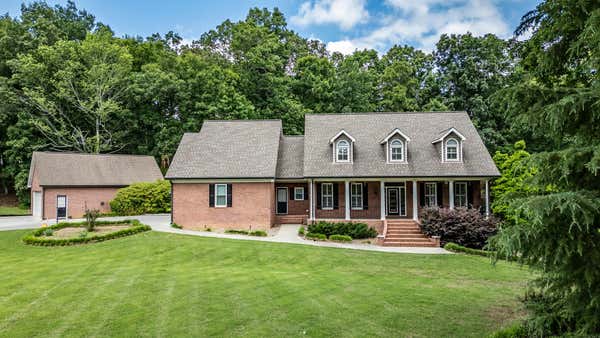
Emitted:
pixel 393 201
pixel 282 200
pixel 61 207
pixel 36 204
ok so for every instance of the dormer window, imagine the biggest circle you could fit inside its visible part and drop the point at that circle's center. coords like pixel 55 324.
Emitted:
pixel 451 149
pixel 396 144
pixel 342 146
pixel 396 151
pixel 343 151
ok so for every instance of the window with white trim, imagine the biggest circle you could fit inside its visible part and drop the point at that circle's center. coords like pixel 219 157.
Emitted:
pixel 298 193
pixel 220 195
pixel 343 151
pixel 431 194
pixel 452 150
pixel 396 151
pixel 460 194
pixel 356 196
pixel 327 195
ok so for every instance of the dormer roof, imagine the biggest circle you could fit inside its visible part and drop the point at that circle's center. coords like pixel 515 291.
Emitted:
pixel 342 132
pixel 447 132
pixel 392 134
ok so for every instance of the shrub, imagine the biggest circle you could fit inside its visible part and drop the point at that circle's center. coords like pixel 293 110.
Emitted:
pixel 90 218
pixel 459 248
pixel 463 226
pixel 48 232
pixel 301 231
pixel 36 237
pixel 515 331
pixel 239 232
pixel 340 238
pixel 176 226
pixel 354 230
pixel 258 233
pixel 83 233
pixel 143 198
pixel 316 236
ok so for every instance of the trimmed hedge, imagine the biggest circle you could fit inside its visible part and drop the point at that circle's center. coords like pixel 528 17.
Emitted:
pixel 459 248
pixel 340 238
pixel 36 237
pixel 143 198
pixel 463 226
pixel 236 232
pixel 316 236
pixel 354 230
pixel 258 233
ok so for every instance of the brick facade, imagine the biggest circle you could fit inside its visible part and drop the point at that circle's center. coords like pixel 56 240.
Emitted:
pixel 296 207
pixel 78 199
pixel 253 206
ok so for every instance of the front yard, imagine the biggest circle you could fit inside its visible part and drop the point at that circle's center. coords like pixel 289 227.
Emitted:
pixel 13 211
pixel 157 284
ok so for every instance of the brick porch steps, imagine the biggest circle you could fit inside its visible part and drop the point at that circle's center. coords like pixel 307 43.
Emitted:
pixel 405 233
pixel 290 219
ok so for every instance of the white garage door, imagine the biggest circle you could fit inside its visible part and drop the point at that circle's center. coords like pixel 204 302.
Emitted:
pixel 36 204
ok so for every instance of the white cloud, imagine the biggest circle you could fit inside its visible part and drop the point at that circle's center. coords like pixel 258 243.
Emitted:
pixel 420 23
pixel 344 13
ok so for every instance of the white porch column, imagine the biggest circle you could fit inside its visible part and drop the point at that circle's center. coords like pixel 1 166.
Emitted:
pixel 311 207
pixel 415 201
pixel 382 198
pixel 487 198
pixel 451 193
pixel 347 196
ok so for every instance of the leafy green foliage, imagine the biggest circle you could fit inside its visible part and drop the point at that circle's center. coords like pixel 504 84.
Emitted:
pixel 558 231
pixel 91 217
pixel 515 173
pixel 340 238
pixel 316 236
pixel 353 229
pixel 143 198
pixel 463 226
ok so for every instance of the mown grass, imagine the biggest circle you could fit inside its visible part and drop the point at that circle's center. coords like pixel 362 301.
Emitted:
pixel 13 211
pixel 156 284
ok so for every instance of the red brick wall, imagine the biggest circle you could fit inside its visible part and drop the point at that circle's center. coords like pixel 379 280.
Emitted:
pixel 77 200
pixel 295 207
pixel 252 206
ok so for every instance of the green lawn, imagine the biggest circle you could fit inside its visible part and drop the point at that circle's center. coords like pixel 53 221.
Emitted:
pixel 13 211
pixel 168 285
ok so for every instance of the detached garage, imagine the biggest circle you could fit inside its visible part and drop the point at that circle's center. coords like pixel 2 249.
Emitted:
pixel 64 185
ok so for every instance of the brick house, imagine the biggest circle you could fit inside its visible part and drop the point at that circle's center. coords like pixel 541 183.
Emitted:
pixel 377 168
pixel 63 185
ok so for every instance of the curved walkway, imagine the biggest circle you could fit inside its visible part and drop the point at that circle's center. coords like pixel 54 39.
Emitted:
pixel 287 234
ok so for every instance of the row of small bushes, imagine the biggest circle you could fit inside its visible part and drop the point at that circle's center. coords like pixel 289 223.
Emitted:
pixel 37 237
pixel 323 237
pixel 354 230
pixel 462 249
pixel 143 198
pixel 463 226
pixel 258 233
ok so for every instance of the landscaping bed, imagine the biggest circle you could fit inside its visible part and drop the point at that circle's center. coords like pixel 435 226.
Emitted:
pixel 68 233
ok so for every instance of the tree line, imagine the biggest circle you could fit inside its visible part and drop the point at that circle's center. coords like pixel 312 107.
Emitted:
pixel 67 83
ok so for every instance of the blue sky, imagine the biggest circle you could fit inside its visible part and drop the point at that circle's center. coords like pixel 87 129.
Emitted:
pixel 344 25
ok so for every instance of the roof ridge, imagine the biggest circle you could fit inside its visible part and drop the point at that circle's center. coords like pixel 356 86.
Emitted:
pixel 391 112
pixel 245 120
pixel 87 154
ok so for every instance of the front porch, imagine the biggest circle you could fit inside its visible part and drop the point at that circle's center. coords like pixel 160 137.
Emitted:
pixel 391 206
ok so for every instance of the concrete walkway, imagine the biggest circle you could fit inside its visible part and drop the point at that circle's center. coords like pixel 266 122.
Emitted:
pixel 287 233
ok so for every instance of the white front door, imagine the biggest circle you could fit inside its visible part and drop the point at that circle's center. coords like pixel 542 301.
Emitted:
pixel 36 204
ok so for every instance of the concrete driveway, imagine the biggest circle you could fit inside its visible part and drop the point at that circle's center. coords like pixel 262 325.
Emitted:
pixel 159 221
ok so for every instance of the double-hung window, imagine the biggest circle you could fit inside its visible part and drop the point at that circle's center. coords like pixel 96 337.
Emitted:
pixel 343 151
pixel 298 193
pixel 452 150
pixel 356 196
pixel 431 194
pixel 327 195
pixel 460 194
pixel 396 151
pixel 220 195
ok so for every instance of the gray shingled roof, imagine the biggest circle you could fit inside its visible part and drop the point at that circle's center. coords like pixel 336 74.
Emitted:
pixel 424 158
pixel 291 155
pixel 228 149
pixel 74 169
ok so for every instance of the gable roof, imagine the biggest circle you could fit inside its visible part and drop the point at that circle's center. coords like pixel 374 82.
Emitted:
pixel 77 169
pixel 447 132
pixel 394 132
pixel 340 133
pixel 228 149
pixel 291 155
pixel 424 159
